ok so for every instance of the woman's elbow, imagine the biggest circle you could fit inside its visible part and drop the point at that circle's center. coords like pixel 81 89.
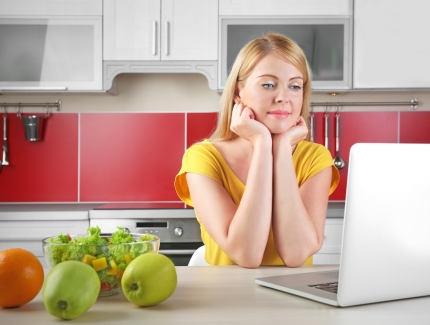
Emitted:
pixel 297 259
pixel 249 261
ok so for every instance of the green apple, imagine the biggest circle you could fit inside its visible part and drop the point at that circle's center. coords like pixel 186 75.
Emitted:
pixel 70 289
pixel 149 279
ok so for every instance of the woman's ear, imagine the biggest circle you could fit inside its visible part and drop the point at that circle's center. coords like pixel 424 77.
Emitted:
pixel 236 97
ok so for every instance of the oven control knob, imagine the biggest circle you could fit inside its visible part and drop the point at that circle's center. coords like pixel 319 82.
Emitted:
pixel 178 231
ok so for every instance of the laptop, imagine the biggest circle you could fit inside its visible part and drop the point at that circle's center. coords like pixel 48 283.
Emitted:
pixel 385 252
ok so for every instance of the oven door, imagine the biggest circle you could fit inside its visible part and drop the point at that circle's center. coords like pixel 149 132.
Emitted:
pixel 179 253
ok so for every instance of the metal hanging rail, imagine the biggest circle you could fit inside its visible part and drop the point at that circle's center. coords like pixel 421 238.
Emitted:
pixel 57 105
pixel 413 103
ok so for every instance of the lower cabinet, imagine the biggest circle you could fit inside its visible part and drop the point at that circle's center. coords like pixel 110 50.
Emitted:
pixel 330 250
pixel 29 234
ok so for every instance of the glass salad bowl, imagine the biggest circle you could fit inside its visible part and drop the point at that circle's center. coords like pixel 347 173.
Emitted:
pixel 108 254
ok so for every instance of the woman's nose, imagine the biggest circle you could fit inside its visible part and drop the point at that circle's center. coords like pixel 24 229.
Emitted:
pixel 282 96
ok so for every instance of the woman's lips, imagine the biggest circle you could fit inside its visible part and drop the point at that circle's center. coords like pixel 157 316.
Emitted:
pixel 281 114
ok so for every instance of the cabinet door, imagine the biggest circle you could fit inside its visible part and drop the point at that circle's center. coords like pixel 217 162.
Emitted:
pixel 50 53
pixel 330 250
pixel 131 29
pixel 284 7
pixel 189 30
pixel 391 49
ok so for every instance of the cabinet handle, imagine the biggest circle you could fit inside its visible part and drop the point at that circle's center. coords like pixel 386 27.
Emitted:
pixel 33 88
pixel 167 37
pixel 154 38
pixel 177 251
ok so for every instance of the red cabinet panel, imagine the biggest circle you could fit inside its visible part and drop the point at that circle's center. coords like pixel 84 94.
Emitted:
pixel 200 126
pixel 415 127
pixel 355 127
pixel 41 171
pixel 130 157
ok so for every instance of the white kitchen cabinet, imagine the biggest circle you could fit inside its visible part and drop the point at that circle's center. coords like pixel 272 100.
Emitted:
pixel 330 250
pixel 284 7
pixel 160 30
pixel 391 47
pixel 28 234
pixel 131 29
pixel 48 45
pixel 24 226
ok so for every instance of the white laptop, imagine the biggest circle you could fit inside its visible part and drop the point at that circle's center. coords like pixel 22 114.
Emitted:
pixel 386 233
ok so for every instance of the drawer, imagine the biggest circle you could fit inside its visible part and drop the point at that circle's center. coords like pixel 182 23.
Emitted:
pixel 330 250
pixel 37 230
pixel 332 236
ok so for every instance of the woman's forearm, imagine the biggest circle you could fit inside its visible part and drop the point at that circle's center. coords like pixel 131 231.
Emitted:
pixel 250 227
pixel 296 236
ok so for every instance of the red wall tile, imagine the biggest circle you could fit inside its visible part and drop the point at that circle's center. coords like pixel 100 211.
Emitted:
pixel 130 157
pixel 135 156
pixel 415 127
pixel 200 126
pixel 355 127
pixel 41 171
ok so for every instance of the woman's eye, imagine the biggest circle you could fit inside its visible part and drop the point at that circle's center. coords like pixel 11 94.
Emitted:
pixel 296 87
pixel 269 86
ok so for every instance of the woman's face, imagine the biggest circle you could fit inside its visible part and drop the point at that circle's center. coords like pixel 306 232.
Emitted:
pixel 274 92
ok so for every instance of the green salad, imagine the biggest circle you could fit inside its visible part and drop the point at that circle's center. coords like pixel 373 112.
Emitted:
pixel 103 253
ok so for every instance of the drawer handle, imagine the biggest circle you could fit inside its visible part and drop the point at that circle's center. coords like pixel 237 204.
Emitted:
pixel 177 251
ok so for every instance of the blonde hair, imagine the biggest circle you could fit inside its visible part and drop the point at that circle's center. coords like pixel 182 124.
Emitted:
pixel 245 62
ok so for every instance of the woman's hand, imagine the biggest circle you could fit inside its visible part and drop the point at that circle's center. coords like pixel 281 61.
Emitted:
pixel 295 134
pixel 243 123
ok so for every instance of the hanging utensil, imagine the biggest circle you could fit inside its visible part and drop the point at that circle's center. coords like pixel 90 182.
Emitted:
pixel 326 128
pixel 312 125
pixel 338 162
pixel 5 155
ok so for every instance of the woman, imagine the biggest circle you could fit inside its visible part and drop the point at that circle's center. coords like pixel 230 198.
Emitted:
pixel 259 189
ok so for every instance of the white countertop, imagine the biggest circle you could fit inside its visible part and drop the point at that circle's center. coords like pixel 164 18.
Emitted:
pixel 85 211
pixel 228 295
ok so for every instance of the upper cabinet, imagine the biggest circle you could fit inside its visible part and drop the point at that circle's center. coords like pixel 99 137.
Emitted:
pixel 323 29
pixel 82 45
pixel 50 45
pixel 284 7
pixel 142 36
pixel 155 29
pixel 390 47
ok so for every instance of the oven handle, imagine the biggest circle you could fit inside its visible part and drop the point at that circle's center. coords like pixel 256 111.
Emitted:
pixel 177 251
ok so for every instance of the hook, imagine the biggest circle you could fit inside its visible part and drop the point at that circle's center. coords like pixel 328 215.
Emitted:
pixel 337 109
pixel 47 111
pixel 5 111
pixel 19 110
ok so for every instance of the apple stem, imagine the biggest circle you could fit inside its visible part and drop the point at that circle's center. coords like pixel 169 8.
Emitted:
pixel 62 304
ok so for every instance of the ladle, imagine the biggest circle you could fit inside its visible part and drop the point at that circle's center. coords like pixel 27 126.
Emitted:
pixel 312 125
pixel 326 127
pixel 5 153
pixel 338 162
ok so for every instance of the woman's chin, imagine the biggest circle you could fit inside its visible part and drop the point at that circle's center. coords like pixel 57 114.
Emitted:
pixel 278 129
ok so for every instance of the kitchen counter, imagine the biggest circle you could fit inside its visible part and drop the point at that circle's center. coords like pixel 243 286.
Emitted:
pixel 228 295
pixel 81 211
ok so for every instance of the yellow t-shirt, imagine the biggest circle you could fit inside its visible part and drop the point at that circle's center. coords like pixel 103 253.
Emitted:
pixel 203 158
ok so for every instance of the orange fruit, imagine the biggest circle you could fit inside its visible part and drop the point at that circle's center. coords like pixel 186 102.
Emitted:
pixel 21 277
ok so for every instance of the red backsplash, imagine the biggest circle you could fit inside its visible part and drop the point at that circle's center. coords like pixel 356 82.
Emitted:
pixel 134 157
pixel 41 171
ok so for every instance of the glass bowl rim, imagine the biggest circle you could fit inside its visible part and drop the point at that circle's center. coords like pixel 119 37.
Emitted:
pixel 103 235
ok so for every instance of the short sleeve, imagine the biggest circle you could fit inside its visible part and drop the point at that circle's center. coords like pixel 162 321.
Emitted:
pixel 312 158
pixel 197 159
pixel 321 160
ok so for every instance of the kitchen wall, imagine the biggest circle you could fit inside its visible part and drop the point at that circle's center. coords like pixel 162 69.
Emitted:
pixel 128 147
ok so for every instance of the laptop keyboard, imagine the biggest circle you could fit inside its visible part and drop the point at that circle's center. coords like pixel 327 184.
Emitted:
pixel 329 286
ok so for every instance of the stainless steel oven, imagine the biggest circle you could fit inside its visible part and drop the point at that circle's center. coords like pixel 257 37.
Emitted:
pixel 177 228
